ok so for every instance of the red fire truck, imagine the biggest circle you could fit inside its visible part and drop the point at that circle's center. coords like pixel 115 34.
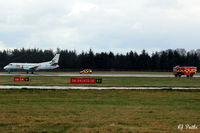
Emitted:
pixel 178 71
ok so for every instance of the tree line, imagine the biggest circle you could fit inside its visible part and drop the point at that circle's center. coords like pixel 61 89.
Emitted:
pixel 131 61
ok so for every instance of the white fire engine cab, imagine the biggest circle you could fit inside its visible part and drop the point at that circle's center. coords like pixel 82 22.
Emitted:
pixel 178 71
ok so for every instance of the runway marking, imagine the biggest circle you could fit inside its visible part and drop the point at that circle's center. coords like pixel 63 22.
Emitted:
pixel 95 88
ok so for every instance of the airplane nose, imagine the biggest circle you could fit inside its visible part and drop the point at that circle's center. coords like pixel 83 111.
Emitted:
pixel 5 67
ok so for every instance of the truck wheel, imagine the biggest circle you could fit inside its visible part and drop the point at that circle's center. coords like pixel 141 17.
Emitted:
pixel 188 75
pixel 191 75
pixel 179 75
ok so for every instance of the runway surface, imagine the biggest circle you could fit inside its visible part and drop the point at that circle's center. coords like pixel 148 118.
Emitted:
pixel 89 75
pixel 94 88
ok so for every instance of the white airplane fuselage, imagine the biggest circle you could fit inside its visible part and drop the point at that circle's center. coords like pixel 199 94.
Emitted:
pixel 31 67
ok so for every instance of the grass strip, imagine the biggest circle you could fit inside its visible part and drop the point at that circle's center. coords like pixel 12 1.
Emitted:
pixel 105 111
pixel 107 81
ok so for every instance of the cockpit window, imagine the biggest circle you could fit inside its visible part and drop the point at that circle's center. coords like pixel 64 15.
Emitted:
pixel 10 64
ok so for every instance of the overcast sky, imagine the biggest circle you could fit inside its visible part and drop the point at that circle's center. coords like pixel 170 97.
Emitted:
pixel 102 25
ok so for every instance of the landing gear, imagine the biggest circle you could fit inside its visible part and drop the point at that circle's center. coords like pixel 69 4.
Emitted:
pixel 28 72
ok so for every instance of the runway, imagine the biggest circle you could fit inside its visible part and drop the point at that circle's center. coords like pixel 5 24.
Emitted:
pixel 86 75
pixel 94 88
pixel 90 75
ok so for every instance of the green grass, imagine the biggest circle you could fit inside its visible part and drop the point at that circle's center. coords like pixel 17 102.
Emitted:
pixel 108 81
pixel 94 111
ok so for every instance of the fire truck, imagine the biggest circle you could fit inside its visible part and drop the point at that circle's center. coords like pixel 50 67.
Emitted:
pixel 178 71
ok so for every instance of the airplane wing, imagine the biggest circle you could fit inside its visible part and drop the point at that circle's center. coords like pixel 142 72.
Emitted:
pixel 31 67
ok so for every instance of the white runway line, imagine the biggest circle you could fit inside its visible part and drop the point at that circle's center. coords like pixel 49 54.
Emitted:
pixel 94 88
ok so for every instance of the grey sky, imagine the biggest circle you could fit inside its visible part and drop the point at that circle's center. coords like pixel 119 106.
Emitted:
pixel 102 25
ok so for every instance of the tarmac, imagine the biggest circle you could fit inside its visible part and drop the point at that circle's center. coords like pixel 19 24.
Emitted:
pixel 89 75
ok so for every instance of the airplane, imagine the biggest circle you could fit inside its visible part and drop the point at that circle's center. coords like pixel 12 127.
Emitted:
pixel 32 67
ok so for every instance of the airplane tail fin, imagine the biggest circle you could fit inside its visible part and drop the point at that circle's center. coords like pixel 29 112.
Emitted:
pixel 55 60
